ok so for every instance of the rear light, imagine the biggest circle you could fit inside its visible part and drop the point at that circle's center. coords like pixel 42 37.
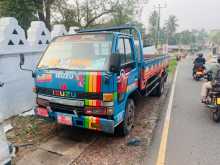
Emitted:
pixel 42 102
pixel 95 111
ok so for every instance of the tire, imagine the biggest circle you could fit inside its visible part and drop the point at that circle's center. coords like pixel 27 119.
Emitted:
pixel 159 90
pixel 216 115
pixel 125 127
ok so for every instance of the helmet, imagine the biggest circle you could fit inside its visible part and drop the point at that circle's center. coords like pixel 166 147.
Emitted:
pixel 200 55
pixel 218 59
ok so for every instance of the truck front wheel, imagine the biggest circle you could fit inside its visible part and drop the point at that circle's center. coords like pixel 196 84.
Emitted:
pixel 125 127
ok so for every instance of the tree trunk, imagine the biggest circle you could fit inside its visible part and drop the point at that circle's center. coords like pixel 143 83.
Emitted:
pixel 47 19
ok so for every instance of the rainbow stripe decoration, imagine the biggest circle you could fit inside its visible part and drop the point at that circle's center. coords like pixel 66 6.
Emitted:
pixel 92 84
pixel 95 103
pixel 91 122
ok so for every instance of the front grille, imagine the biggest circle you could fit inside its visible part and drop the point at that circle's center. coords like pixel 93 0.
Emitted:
pixel 66 109
pixel 72 94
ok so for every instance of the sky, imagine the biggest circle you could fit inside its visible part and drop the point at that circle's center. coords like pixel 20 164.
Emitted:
pixel 191 14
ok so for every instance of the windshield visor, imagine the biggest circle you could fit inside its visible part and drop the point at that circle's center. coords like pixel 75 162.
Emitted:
pixel 78 52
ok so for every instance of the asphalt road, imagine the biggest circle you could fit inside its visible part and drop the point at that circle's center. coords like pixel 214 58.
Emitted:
pixel 193 138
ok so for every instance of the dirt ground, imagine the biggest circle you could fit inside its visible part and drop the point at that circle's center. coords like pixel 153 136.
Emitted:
pixel 115 150
pixel 30 131
pixel 104 149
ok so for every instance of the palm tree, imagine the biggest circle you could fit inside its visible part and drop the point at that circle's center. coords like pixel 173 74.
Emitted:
pixel 153 23
pixel 171 26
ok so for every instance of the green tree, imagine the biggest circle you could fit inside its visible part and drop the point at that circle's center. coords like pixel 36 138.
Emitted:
pixel 171 26
pixel 43 10
pixel 123 12
pixel 92 13
pixel 215 37
pixel 153 27
pixel 26 11
pixel 23 10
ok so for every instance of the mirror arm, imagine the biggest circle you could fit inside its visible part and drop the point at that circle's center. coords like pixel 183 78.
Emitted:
pixel 29 70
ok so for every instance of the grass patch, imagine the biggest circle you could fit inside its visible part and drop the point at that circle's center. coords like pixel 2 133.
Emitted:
pixel 30 129
pixel 172 66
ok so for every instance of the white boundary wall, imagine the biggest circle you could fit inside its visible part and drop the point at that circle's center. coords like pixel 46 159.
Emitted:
pixel 16 95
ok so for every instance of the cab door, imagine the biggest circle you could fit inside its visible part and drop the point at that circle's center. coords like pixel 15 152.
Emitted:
pixel 128 76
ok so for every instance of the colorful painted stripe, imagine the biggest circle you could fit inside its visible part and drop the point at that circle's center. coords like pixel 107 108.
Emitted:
pixel 95 103
pixel 92 123
pixel 132 86
pixel 93 82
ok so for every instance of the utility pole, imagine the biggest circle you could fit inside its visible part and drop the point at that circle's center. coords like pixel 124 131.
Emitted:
pixel 159 7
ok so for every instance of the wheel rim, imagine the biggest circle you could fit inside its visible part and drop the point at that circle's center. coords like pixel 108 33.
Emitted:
pixel 130 116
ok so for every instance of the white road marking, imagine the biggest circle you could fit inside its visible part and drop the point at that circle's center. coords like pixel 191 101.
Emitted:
pixel 161 158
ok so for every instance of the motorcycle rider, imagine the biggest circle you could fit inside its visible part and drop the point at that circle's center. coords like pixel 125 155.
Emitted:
pixel 208 85
pixel 199 61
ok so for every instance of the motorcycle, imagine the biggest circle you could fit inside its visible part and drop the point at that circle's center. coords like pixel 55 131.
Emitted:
pixel 213 99
pixel 199 73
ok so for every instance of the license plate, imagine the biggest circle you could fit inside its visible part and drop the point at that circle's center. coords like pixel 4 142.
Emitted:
pixel 218 101
pixel 64 119
pixel 42 112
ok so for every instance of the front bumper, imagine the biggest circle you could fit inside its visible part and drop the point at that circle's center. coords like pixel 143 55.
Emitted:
pixel 82 121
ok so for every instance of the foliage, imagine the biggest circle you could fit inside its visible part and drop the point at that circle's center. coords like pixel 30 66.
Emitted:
pixel 81 13
pixel 171 25
pixel 92 13
pixel 153 27
pixel 23 10
pixel 155 32
pixel 194 38
pixel 215 37
pixel 26 11
pixel 43 10
pixel 172 65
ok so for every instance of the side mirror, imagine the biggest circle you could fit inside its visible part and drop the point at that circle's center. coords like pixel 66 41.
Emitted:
pixel 21 59
pixel 115 62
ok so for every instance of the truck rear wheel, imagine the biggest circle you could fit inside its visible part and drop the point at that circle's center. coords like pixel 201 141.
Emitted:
pixel 125 127
pixel 158 91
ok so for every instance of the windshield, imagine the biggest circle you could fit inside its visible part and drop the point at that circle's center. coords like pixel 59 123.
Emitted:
pixel 78 52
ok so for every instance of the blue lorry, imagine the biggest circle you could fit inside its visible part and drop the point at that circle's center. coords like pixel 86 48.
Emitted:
pixel 91 79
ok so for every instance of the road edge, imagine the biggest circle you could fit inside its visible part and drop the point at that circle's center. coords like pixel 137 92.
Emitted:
pixel 166 124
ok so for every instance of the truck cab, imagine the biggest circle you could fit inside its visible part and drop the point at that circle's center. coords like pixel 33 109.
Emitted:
pixel 88 79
